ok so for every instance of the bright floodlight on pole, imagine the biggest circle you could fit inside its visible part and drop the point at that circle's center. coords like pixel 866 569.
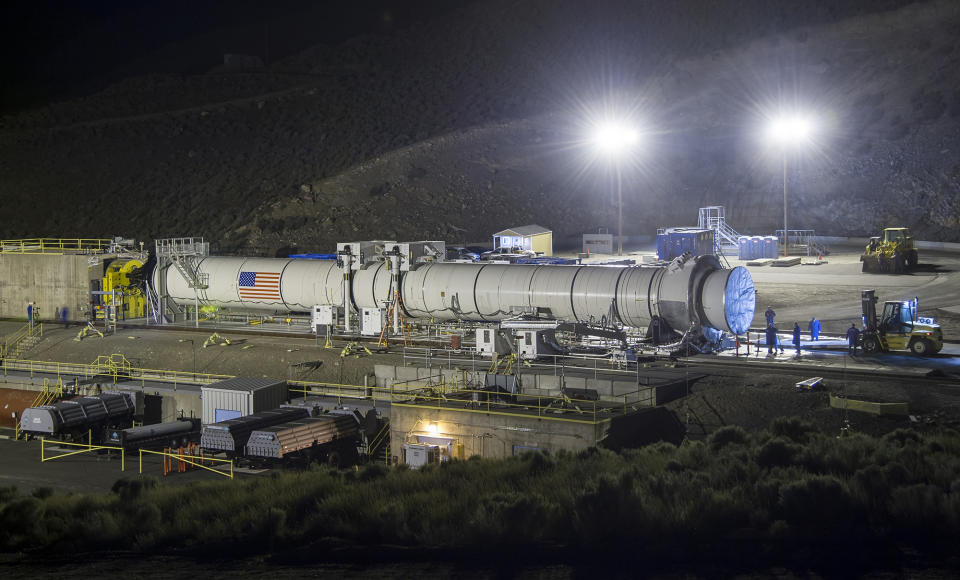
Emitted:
pixel 789 131
pixel 616 140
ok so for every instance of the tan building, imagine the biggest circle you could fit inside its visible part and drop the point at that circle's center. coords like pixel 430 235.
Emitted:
pixel 532 237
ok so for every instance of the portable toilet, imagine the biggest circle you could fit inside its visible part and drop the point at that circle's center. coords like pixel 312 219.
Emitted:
pixel 756 247
pixel 770 249
pixel 743 247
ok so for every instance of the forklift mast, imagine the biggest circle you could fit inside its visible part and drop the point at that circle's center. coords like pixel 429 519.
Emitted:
pixel 868 302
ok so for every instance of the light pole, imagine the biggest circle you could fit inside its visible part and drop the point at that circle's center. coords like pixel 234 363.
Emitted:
pixel 614 140
pixel 788 132
pixel 194 347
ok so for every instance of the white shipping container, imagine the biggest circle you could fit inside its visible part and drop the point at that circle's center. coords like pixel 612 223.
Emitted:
pixel 240 396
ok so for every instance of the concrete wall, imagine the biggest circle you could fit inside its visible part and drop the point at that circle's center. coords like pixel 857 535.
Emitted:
pixel 610 390
pixel 487 435
pixel 49 280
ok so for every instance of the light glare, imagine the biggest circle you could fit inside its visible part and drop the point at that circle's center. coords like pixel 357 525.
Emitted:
pixel 790 130
pixel 613 138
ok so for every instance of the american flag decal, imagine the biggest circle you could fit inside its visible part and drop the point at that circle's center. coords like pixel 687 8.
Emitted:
pixel 259 285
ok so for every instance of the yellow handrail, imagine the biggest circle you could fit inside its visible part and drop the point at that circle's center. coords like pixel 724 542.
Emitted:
pixel 379 439
pixel 54 245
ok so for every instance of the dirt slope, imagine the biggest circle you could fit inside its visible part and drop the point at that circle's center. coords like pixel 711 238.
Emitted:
pixel 460 126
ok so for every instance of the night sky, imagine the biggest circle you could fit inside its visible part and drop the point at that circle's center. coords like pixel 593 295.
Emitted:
pixel 60 49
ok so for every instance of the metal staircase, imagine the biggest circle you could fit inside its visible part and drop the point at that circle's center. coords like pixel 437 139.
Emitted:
pixel 712 218
pixel 21 341
pixel 184 254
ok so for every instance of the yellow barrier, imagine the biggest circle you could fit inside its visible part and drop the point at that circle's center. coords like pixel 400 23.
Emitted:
pixel 114 371
pixel 188 460
pixel 868 407
pixel 86 449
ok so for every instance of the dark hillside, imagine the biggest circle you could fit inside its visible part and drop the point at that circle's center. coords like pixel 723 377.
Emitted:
pixel 460 125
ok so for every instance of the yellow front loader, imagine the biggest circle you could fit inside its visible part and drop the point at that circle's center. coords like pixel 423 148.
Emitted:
pixel 892 253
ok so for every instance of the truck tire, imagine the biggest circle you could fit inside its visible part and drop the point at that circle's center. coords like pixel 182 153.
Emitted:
pixel 921 347
pixel 912 259
pixel 899 263
pixel 871 345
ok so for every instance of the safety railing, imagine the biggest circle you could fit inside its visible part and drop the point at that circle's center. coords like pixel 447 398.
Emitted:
pixel 55 246
pixel 441 394
pixel 11 343
pixel 114 372
pixel 380 439
pixel 84 448
pixel 194 460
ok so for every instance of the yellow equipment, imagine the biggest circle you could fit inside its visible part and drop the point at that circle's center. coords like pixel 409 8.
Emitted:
pixel 122 276
pixel 215 339
pixel 898 328
pixel 894 252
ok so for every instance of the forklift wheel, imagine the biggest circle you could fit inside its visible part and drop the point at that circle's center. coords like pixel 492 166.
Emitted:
pixel 921 347
pixel 871 345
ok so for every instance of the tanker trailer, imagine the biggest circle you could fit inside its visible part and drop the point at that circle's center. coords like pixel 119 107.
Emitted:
pixel 690 292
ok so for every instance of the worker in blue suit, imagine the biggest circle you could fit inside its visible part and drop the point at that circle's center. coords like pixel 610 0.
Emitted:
pixel 770 314
pixel 814 327
pixel 771 339
pixel 852 335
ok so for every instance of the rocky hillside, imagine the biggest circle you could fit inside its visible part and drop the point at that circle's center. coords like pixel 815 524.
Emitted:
pixel 476 120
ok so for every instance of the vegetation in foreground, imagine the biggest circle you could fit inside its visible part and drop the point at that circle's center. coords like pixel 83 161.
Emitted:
pixel 787 495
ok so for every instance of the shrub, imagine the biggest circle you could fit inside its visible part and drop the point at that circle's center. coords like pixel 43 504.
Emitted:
pixel 42 492
pixel 7 494
pixel 777 453
pixel 730 434
pixel 794 429
pixel 818 503
pixel 901 437
pixel 133 487
pixel 373 471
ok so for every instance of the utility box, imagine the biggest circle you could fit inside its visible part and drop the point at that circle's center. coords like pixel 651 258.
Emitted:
pixel 533 344
pixel 598 243
pixel 417 455
pixel 674 242
pixel 240 396
pixel 485 341
pixel 323 316
pixel 372 321
pixel 414 253
pixel 362 253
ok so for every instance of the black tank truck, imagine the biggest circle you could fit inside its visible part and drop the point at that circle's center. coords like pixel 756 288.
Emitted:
pixel 172 434
pixel 231 436
pixel 79 418
pixel 333 438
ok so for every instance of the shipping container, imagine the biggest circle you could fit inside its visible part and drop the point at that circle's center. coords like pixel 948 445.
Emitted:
pixel 240 396
pixel 674 242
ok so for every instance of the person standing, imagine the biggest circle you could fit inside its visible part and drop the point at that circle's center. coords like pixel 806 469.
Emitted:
pixel 65 317
pixel 770 314
pixel 30 314
pixel 796 337
pixel 771 338
pixel 814 327
pixel 852 335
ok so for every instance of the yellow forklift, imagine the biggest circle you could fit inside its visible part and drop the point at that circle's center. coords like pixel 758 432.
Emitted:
pixel 898 328
pixel 894 252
